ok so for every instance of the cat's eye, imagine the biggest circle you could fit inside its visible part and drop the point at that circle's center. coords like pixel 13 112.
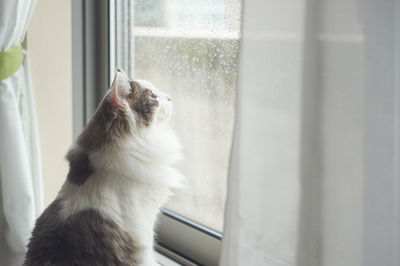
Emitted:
pixel 152 95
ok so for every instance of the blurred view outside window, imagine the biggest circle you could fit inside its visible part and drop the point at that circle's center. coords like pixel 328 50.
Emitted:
pixel 189 49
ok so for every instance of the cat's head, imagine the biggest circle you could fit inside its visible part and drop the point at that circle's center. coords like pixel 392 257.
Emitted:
pixel 129 107
pixel 140 99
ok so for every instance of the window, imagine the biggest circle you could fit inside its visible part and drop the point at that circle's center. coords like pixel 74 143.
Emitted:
pixel 188 49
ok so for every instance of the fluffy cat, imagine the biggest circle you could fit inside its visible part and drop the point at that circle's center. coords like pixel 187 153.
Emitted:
pixel 120 175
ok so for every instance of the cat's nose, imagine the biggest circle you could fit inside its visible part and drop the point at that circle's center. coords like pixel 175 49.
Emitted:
pixel 169 99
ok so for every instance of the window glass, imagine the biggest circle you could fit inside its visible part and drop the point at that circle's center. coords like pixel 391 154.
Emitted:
pixel 189 49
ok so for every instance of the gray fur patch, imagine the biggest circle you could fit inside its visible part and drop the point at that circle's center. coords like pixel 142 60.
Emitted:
pixel 79 167
pixel 107 125
pixel 85 238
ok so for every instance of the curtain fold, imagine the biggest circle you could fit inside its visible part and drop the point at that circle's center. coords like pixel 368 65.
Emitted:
pixel 20 166
pixel 314 177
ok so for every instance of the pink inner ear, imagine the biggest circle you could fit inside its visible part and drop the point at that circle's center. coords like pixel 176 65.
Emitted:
pixel 116 100
pixel 115 97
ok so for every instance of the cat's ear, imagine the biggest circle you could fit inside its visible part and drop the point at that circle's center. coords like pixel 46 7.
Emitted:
pixel 119 89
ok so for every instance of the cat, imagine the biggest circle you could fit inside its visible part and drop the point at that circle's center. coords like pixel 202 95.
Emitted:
pixel 121 172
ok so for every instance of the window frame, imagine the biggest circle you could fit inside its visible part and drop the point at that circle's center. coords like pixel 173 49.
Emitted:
pixel 93 25
pixel 90 58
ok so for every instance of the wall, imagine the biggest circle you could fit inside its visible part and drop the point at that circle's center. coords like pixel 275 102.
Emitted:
pixel 49 47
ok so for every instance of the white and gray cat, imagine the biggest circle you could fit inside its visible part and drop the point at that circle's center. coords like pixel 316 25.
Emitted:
pixel 120 175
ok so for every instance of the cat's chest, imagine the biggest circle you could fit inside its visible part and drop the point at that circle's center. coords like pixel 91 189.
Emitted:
pixel 133 212
pixel 133 207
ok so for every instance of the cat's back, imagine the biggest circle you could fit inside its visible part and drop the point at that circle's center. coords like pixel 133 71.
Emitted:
pixel 84 238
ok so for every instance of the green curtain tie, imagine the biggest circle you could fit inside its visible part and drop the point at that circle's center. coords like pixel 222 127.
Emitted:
pixel 10 61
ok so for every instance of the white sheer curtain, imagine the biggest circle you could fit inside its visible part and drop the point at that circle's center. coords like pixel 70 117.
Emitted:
pixel 314 177
pixel 20 172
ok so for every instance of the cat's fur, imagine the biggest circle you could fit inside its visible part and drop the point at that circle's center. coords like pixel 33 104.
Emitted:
pixel 120 175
